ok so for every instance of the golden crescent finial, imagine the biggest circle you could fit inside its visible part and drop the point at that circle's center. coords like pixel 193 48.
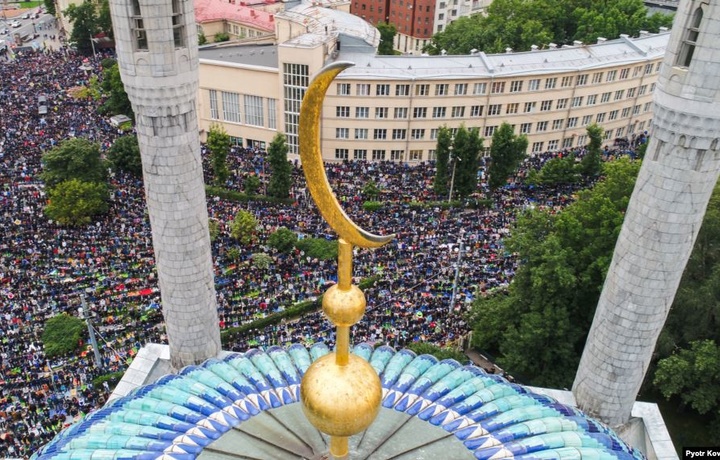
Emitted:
pixel 312 164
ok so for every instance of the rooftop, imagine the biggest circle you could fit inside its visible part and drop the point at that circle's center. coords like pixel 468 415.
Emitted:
pixel 215 10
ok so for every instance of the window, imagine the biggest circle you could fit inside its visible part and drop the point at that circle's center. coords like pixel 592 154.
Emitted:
pixel 636 71
pixel 626 112
pixel 490 130
pixel 178 23
pixel 636 109
pixel 433 134
pixel 342 111
pixel 600 117
pixel 380 133
pixel 420 112
pixel 214 112
pixel 432 154
pixel 272 113
pixel 494 109
pixel 586 120
pixel 597 78
pixel 558 124
pixel 397 155
pixel 341 154
pixel 378 155
pixel 236 141
pixel 652 88
pixel 381 112
pixel 415 155
pixel 417 134
pixel 342 133
pixel 608 134
pixel 460 89
pixel 479 88
pixel 550 83
pixel 642 90
pixel 231 107
pixel 516 86
pixel 537 147
pixel 631 92
pixel 605 97
pixel 382 90
pixel 343 89
pixel 624 74
pixel 646 107
pixel 254 110
pixel 459 111
pixel 534 84
pixel 577 101
pixel 529 107
pixel 611 75
pixel 541 126
pixel 497 87
pixel 582 80
pixel 592 99
pixel 525 128
pixel 567 142
pixel 619 94
pixel 546 105
pixel 566 81
pixel 572 122
pixel 402 90
pixel 138 27
pixel 401 112
pixel 553 145
pixel 620 132
pixel 441 89
pixel 360 154
pixel 296 78
pixel 561 103
pixel 399 134
pixel 581 140
pixel 439 112
pixel 362 89
pixel 648 69
pixel 512 108
pixel 476 110
pixel 361 133
pixel 362 112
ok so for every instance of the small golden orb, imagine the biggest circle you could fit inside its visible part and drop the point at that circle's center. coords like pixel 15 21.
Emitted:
pixel 341 400
pixel 344 307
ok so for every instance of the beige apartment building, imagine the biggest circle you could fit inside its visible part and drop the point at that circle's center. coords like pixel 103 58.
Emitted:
pixel 391 107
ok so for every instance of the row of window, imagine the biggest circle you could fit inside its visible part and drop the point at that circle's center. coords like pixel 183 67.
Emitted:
pixel 251 112
pixel 459 111
pixel 537 147
pixel 495 87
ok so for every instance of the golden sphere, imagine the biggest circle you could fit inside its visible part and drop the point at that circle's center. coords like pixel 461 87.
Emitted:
pixel 341 400
pixel 344 307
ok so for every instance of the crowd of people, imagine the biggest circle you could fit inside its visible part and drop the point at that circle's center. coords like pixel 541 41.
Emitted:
pixel 427 277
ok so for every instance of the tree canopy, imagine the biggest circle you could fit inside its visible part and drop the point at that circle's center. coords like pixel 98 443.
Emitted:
pixel 218 143
pixel 75 158
pixel 124 155
pixel 117 101
pixel 74 202
pixel 88 19
pixel 244 227
pixel 281 178
pixel 62 334
pixel 519 24
pixel 506 153
pixel 442 158
pixel 387 38
pixel 539 326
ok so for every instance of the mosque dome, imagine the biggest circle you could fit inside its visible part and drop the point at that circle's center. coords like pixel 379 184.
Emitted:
pixel 247 406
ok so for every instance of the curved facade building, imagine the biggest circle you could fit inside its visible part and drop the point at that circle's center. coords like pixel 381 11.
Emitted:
pixel 390 107
pixel 247 406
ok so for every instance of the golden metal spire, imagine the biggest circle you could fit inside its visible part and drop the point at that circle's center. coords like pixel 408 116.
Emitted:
pixel 340 392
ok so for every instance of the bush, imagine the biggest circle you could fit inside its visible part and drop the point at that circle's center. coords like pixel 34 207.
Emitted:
pixel 112 379
pixel 319 248
pixel 62 334
pixel 424 348
pixel 221 37
pixel 283 239
pixel 372 205
pixel 261 260
pixel 232 195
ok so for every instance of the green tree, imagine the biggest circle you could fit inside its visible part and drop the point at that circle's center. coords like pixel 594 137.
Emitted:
pixel 442 152
pixel 85 22
pixel 466 146
pixel 244 227
pixel 124 155
pixel 117 102
pixel 75 158
pixel 539 326
pixel 591 164
pixel 251 184
pixel 62 335
pixel 692 374
pixel 74 202
pixel 283 239
pixel 104 21
pixel 202 40
pixel 50 7
pixel 559 171
pixel 371 191
pixel 281 178
pixel 213 229
pixel 218 143
pixel 387 38
pixel 261 260
pixel 221 37
pixel 319 248
pixel 424 348
pixel 506 153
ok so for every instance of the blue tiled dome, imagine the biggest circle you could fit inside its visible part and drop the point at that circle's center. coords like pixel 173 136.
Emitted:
pixel 186 416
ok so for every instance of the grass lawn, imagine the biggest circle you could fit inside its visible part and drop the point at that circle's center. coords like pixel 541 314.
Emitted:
pixel 30 4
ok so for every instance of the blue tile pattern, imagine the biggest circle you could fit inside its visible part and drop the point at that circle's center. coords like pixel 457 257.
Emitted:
pixel 176 417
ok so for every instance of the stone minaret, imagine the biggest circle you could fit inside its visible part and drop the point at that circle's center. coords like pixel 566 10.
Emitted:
pixel 666 210
pixel 156 44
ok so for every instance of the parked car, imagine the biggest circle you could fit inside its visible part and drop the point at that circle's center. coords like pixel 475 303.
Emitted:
pixel 4 31
pixel 15 24
pixel 26 16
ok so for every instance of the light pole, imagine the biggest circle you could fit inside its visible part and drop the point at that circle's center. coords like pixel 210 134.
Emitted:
pixel 91 332
pixel 454 160
pixel 457 275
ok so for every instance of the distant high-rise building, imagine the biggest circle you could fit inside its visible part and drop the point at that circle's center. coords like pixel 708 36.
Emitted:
pixel 678 174
pixel 157 53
